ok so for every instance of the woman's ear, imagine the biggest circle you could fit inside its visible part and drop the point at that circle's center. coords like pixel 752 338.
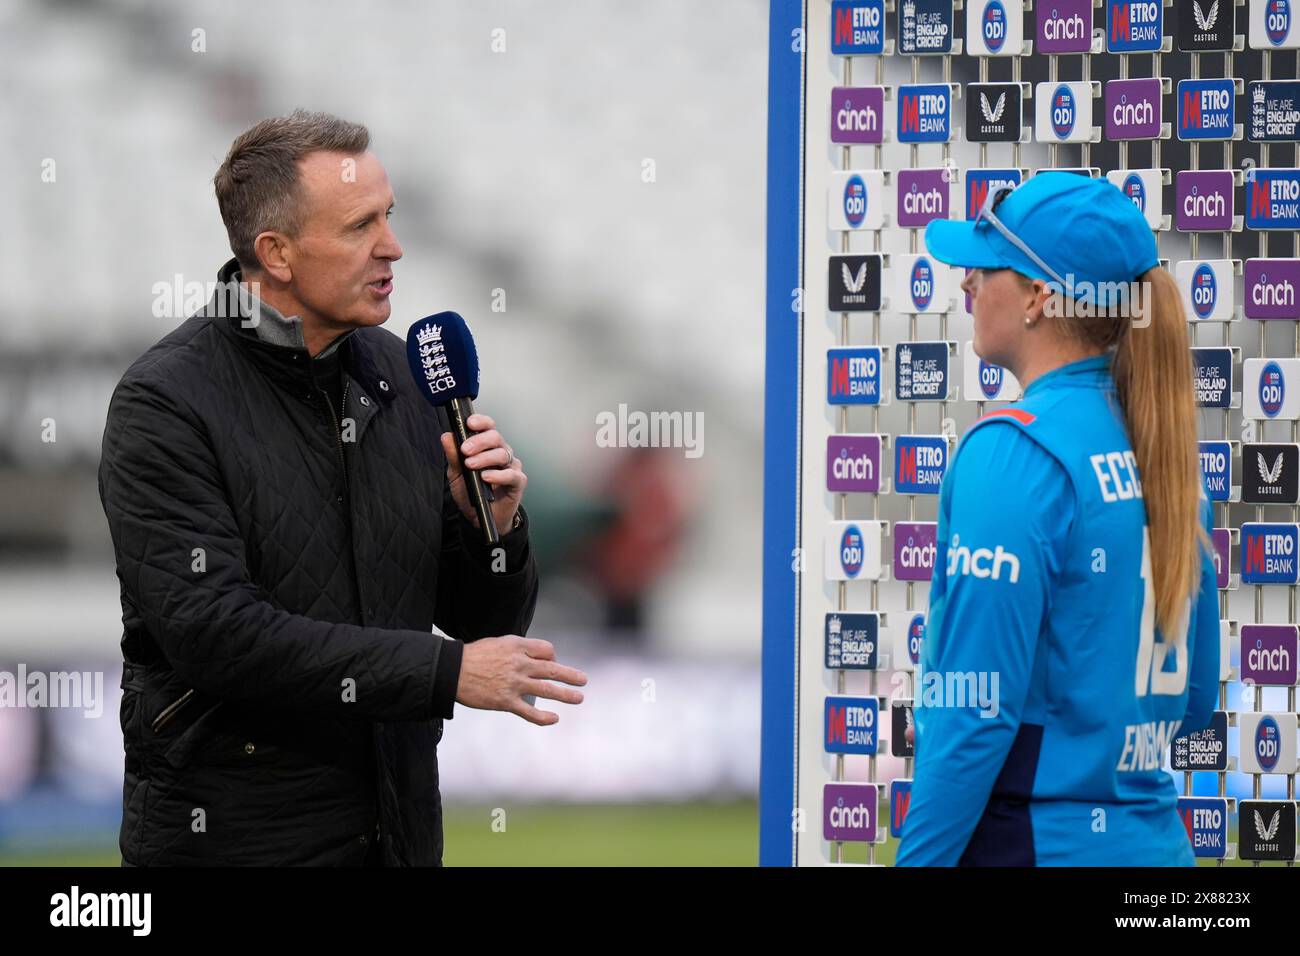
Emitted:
pixel 1039 296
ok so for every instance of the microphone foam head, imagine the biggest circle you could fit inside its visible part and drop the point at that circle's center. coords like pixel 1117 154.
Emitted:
pixel 443 361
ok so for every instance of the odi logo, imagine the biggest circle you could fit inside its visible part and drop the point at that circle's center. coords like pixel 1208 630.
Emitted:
pixel 993 26
pixel 921 283
pixel 1272 389
pixel 855 201
pixel 1203 291
pixel 1135 190
pixel 1267 743
pixel 1064 111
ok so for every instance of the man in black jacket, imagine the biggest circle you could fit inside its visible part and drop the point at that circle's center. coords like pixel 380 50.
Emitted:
pixel 290 521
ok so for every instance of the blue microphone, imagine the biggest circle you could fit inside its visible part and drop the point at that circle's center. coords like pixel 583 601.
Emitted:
pixel 444 364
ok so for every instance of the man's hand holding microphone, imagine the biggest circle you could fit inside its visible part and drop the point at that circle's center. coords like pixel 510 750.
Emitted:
pixel 505 673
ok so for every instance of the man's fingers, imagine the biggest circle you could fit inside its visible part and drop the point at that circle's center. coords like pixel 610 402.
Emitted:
pixel 479 422
pixel 543 718
pixel 493 456
pixel 449 450
pixel 541 688
pixel 550 670
pixel 538 649
pixel 483 441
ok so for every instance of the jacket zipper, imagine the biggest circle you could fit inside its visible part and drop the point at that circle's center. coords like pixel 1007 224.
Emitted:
pixel 338 430
pixel 171 710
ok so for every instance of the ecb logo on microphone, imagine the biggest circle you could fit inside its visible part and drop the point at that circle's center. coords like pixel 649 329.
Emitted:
pixel 1134 26
pixel 852 725
pixel 1268 651
pixel 923 195
pixel 919 464
pixel 852 641
pixel 1216 466
pixel 854 283
pixel 1206 821
pixel 1206 108
pixel 1266 829
pixel 1064 26
pixel 1212 377
pixel 1270 473
pixel 993 112
pixel 1268 556
pixel 1205 749
pixel 1205 24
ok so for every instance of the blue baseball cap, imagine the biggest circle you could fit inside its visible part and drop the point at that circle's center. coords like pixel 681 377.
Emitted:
pixel 1084 230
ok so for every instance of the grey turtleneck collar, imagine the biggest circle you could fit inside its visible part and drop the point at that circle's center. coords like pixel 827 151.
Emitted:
pixel 276 329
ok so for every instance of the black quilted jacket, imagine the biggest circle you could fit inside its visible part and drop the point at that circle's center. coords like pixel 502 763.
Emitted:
pixel 283 693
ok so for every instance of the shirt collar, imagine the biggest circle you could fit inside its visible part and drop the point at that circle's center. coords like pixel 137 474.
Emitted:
pixel 274 328
pixel 1093 369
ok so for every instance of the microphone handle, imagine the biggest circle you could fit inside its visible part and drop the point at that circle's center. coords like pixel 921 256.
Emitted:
pixel 459 410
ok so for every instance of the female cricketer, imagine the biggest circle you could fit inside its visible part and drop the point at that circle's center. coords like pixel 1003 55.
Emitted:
pixel 1074 574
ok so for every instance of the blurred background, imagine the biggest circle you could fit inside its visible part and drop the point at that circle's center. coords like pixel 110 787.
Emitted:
pixel 597 168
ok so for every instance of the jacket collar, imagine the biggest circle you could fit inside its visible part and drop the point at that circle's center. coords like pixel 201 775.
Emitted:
pixel 276 343
pixel 1093 370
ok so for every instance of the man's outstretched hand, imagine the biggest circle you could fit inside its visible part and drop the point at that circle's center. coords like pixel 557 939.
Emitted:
pixel 496 673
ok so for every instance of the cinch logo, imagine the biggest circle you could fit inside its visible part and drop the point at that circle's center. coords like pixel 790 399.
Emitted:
pixel 1135 23
pixel 1063 111
pixel 1268 743
pixel 1210 205
pixel 1277 20
pixel 1057 28
pixel 852 551
pixel 915 633
pixel 853 376
pixel 990 379
pixel 1204 291
pixel 857 27
pixel 1272 294
pixel 855 201
pixel 994 26
pixel 921 283
pixel 981 562
pixel 1272 389
pixel 1136 190
pixel 1137 113
pixel 980 181
pixel 918 202
pixel 1205 109
pixel 862 120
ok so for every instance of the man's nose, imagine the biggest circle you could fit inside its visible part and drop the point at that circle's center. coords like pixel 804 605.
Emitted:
pixel 388 248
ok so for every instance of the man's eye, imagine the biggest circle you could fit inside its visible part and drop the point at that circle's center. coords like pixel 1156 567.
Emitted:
pixel 363 224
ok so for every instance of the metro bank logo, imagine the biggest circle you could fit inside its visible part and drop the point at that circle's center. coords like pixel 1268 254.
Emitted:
pixel 851 725
pixel 925 113
pixel 853 376
pixel 1273 199
pixel 858 27
pixel 1268 553
pixel 980 181
pixel 1134 25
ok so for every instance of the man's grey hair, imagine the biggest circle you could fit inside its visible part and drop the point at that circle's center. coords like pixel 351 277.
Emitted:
pixel 258 185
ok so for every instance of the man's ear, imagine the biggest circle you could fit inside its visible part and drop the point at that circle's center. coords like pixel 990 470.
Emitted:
pixel 273 252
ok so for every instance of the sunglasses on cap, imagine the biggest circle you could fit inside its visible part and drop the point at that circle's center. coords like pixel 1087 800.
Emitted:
pixel 987 214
